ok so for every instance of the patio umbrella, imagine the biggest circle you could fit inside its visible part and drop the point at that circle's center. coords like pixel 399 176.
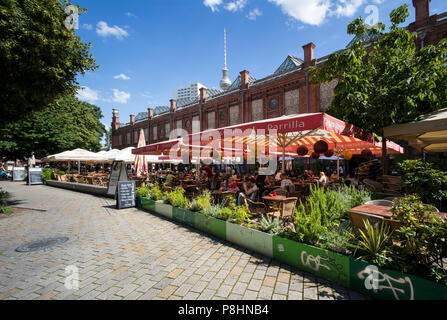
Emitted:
pixel 427 135
pixel 140 160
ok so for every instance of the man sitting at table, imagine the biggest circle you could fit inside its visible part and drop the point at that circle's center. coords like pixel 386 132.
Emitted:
pixel 250 190
pixel 334 176
pixel 287 184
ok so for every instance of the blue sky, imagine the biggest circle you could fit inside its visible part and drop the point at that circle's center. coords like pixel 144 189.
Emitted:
pixel 147 48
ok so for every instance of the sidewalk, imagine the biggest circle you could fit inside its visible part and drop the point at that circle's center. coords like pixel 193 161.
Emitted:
pixel 131 254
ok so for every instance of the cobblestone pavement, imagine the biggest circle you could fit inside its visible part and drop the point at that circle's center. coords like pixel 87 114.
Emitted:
pixel 132 254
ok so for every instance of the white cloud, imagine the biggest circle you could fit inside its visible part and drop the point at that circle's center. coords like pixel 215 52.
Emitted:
pixel 235 5
pixel 130 14
pixel 253 14
pixel 308 11
pixel 378 1
pixel 121 76
pixel 103 30
pixel 347 8
pixel 213 4
pixel 120 96
pixel 314 12
pixel 87 26
pixel 87 94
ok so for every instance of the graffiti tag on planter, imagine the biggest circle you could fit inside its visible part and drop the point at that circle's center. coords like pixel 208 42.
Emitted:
pixel 378 281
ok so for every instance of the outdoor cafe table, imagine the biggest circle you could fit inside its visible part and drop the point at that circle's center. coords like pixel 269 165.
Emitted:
pixel 219 194
pixel 384 212
pixel 277 201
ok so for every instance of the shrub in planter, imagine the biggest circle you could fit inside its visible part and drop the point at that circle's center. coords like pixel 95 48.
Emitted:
pixel 143 192
pixel 201 202
pixel 177 198
pixel 423 179
pixel 420 244
pixel 269 224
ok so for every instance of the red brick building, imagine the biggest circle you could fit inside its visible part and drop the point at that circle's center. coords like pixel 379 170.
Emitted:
pixel 286 91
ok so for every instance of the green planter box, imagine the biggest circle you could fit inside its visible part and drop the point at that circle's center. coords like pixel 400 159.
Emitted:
pixel 163 209
pixel 255 240
pixel 147 204
pixel 211 225
pixel 323 263
pixel 383 284
pixel 184 216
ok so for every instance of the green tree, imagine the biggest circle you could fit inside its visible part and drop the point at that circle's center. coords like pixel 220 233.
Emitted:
pixel 39 56
pixel 64 125
pixel 387 81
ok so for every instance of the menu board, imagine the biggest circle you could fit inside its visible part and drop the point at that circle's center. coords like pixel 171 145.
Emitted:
pixel 18 174
pixel 126 194
pixel 118 173
pixel 35 176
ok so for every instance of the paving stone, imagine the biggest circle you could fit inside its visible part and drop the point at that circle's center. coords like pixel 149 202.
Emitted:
pixel 131 254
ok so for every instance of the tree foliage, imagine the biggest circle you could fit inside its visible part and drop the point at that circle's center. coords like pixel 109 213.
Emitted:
pixel 39 56
pixel 388 82
pixel 63 125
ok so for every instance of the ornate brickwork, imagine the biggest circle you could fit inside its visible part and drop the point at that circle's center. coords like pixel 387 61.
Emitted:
pixel 257 112
pixel 327 94
pixel 292 102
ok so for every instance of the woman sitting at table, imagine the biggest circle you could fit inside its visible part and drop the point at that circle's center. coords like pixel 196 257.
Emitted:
pixel 232 185
pixel 323 179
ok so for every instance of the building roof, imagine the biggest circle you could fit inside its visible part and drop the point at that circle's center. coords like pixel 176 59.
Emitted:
pixel 141 116
pixel 237 83
pixel 366 38
pixel 289 63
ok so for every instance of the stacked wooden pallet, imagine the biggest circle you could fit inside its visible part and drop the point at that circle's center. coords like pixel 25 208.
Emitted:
pixel 370 170
pixel 392 184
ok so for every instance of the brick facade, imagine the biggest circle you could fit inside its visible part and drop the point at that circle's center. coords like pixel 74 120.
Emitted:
pixel 288 92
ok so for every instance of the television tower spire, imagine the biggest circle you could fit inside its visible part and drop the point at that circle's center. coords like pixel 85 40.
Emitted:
pixel 225 83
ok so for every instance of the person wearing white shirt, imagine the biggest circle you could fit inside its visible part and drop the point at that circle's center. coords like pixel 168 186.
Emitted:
pixel 323 179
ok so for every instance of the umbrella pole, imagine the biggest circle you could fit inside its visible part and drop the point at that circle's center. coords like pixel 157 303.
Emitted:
pixel 338 165
pixel 79 167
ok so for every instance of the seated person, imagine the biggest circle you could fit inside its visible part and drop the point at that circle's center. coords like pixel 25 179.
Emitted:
pixel 278 176
pixel 287 184
pixel 269 180
pixel 232 185
pixel 323 179
pixel 334 176
pixel 249 190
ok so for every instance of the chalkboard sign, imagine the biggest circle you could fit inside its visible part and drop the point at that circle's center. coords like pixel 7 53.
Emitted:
pixel 35 176
pixel 118 173
pixel 126 194
pixel 18 174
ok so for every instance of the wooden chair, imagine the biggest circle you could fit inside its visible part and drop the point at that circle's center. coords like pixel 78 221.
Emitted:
pixel 288 207
pixel 254 208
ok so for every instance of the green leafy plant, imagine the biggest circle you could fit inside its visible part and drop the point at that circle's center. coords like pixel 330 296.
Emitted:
pixel 269 224
pixel 225 213
pixel 423 179
pixel 212 211
pixel 421 241
pixel 373 242
pixel 155 192
pixel 46 174
pixel 204 200
pixel 177 198
pixel 317 221
pixel 4 209
pixel 239 214
pixel 143 192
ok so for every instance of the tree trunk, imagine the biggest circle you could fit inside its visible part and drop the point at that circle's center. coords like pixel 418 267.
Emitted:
pixel 384 157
